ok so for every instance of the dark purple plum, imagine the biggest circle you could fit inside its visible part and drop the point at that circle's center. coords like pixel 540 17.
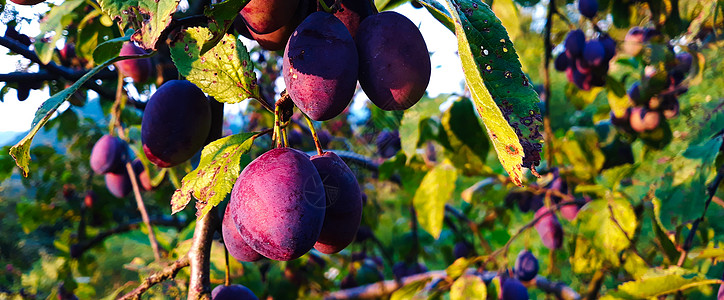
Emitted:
pixel 574 43
pixel 278 204
pixel 402 269
pixel 594 53
pixel 388 143
pixel 549 229
pixel 320 66
pixel 394 64
pixel 108 155
pixel 609 46
pixel 139 69
pixel 344 203
pixel 266 16
pixel 348 282
pixel 119 184
pixel 233 241
pixel 634 92
pixel 526 266
pixel 461 249
pixel 512 289
pixel 232 292
pixel 561 62
pixel 588 8
pixel 685 61
pixel 175 123
pixel 643 119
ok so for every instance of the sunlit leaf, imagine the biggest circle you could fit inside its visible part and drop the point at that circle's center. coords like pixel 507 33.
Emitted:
pixel 468 287
pixel 224 72
pixel 658 282
pixel 148 17
pixel 216 174
pixel 502 93
pixel 434 191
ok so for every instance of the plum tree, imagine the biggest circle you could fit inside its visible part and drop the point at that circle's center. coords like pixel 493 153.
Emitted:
pixel 388 143
pixel 526 266
pixel 266 16
pixel 232 292
pixel 549 229
pixel 140 68
pixel 320 66
pixel 108 155
pixel 344 203
pixel 588 8
pixel 119 184
pixel 233 241
pixel 393 59
pixel 279 221
pixel 512 289
pixel 175 123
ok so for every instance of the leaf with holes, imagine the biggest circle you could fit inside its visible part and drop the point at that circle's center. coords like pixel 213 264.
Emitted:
pixel 224 72
pixel 502 93
pixel 21 151
pixel 216 174
pixel 148 17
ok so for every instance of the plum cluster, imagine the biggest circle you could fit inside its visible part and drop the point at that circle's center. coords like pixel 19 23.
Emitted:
pixel 586 62
pixel 285 203
pixel 108 157
pixel 654 98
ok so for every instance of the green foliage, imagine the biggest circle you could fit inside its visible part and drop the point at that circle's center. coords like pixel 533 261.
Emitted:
pixel 429 201
pixel 148 18
pixel 225 72
pixel 216 174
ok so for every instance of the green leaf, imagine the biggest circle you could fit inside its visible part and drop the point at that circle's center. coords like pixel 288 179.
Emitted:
pixel 468 287
pixel 464 129
pixel 682 191
pixel 659 282
pixel 224 72
pixel 111 48
pixel 580 148
pixel 439 12
pixel 430 198
pixel 410 124
pixel 458 267
pixel 216 174
pixel 148 17
pixel 221 17
pixel 55 21
pixel 502 93
pixel 608 224
pixel 410 290
pixel 21 151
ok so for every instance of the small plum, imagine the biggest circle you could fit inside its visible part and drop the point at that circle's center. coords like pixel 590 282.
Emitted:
pixel 232 292
pixel 549 229
pixel 574 43
pixel 588 8
pixel 633 42
pixel 526 266
pixel 108 155
pixel 140 68
pixel 512 289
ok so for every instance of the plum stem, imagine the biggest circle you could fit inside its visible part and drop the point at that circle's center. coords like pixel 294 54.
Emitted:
pixel 324 6
pixel 276 137
pixel 314 135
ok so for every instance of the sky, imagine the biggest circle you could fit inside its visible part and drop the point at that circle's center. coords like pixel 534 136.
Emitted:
pixel 447 75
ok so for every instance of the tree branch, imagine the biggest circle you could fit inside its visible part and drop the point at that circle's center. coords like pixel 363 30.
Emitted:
pixel 53 68
pixel 387 287
pixel 199 255
pixel 165 274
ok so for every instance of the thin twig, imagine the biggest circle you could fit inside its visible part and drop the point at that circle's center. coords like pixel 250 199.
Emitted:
pixel 318 145
pixel 711 190
pixel 631 242
pixel 144 213
pixel 547 44
pixel 165 274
